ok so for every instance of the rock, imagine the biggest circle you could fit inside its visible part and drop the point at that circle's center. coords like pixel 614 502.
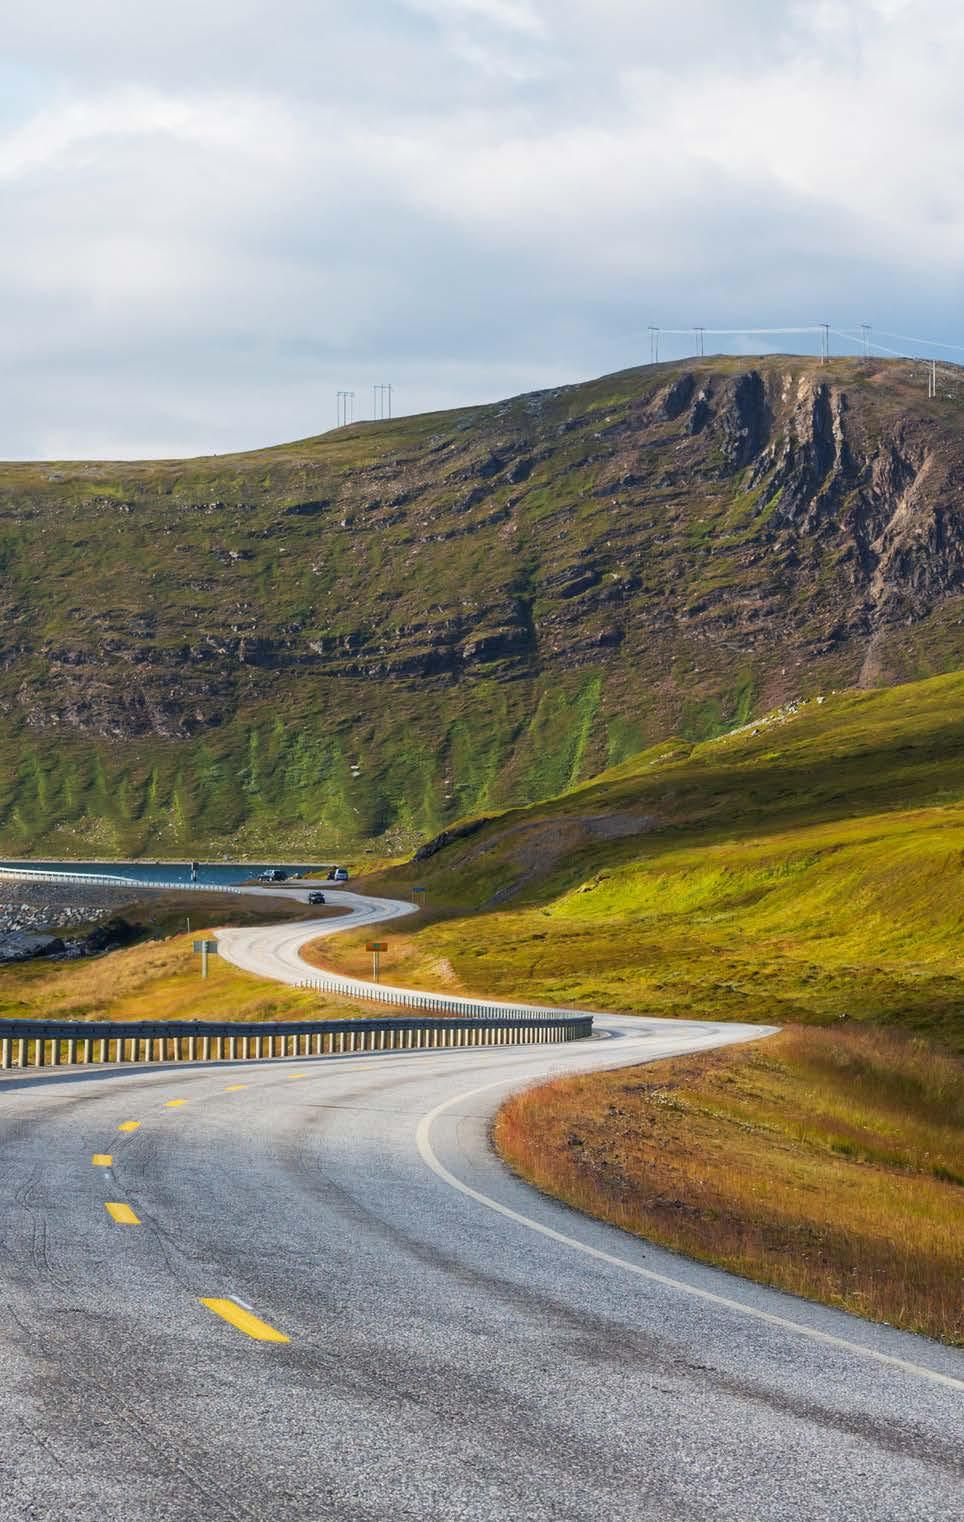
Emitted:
pixel 432 847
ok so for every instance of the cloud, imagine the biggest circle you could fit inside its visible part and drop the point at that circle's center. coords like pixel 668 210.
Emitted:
pixel 223 213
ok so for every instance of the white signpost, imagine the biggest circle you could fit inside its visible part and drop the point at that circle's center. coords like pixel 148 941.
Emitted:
pixel 206 948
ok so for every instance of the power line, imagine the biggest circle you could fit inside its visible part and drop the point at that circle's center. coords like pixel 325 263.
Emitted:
pixel 880 348
pixel 926 343
pixel 733 332
pixel 930 365
pixel 854 336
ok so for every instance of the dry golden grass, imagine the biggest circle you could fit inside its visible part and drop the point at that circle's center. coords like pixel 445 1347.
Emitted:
pixel 828 1163
pixel 160 980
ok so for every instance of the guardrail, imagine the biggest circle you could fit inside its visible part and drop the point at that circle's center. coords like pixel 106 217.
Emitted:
pixel 103 880
pixel 57 1043
pixel 412 998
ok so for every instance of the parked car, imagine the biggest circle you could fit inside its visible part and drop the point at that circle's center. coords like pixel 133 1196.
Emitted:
pixel 338 875
pixel 273 875
pixel 316 898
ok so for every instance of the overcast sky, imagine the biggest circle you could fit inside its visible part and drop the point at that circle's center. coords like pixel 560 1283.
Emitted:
pixel 215 213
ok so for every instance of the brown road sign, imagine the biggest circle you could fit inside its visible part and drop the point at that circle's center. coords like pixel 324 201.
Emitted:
pixel 376 945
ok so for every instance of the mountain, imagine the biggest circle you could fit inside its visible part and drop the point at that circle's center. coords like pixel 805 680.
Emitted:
pixel 356 638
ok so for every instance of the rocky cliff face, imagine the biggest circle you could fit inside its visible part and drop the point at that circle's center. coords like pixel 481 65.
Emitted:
pixel 578 571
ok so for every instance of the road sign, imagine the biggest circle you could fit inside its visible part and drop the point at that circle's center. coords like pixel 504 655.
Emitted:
pixel 376 948
pixel 206 948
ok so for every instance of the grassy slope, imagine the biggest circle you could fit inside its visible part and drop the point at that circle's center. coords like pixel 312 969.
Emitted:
pixel 808 867
pixel 827 1163
pixel 236 654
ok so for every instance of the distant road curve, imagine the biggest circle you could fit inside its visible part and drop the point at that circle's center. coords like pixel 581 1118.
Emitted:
pixel 308 1290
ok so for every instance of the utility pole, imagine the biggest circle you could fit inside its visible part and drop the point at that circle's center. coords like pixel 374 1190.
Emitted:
pixel 381 401
pixel 653 345
pixel 932 379
pixel 865 339
pixel 346 408
pixel 824 342
pixel 699 341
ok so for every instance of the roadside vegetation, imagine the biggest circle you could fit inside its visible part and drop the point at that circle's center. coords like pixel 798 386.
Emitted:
pixel 828 1163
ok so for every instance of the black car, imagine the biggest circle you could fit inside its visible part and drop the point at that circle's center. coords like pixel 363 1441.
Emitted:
pixel 316 898
pixel 273 875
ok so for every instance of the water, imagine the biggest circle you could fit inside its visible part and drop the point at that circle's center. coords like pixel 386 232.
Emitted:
pixel 218 874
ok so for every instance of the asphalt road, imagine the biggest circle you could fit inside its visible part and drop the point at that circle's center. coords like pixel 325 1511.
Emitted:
pixel 457 1346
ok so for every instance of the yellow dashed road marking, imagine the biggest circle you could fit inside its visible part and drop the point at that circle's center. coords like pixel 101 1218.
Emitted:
pixel 172 1104
pixel 245 1321
pixel 128 1125
pixel 122 1214
pixel 102 1160
pixel 233 1088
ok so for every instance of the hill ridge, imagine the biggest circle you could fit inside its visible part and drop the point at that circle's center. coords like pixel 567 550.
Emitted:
pixel 358 637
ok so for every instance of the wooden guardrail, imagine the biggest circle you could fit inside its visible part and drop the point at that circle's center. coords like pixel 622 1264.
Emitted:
pixel 55 1043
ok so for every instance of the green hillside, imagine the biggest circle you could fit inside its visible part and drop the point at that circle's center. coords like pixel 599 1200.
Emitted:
pixel 807 867
pixel 351 640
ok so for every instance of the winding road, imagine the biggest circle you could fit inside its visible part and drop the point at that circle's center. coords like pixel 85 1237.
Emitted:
pixel 317 1296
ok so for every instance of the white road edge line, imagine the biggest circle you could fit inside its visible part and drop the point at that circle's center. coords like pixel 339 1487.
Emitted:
pixel 423 1132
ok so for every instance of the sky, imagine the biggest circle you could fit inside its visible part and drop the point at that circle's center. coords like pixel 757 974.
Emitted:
pixel 214 214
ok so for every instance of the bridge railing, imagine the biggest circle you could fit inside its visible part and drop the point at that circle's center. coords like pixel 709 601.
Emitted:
pixel 56 1043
